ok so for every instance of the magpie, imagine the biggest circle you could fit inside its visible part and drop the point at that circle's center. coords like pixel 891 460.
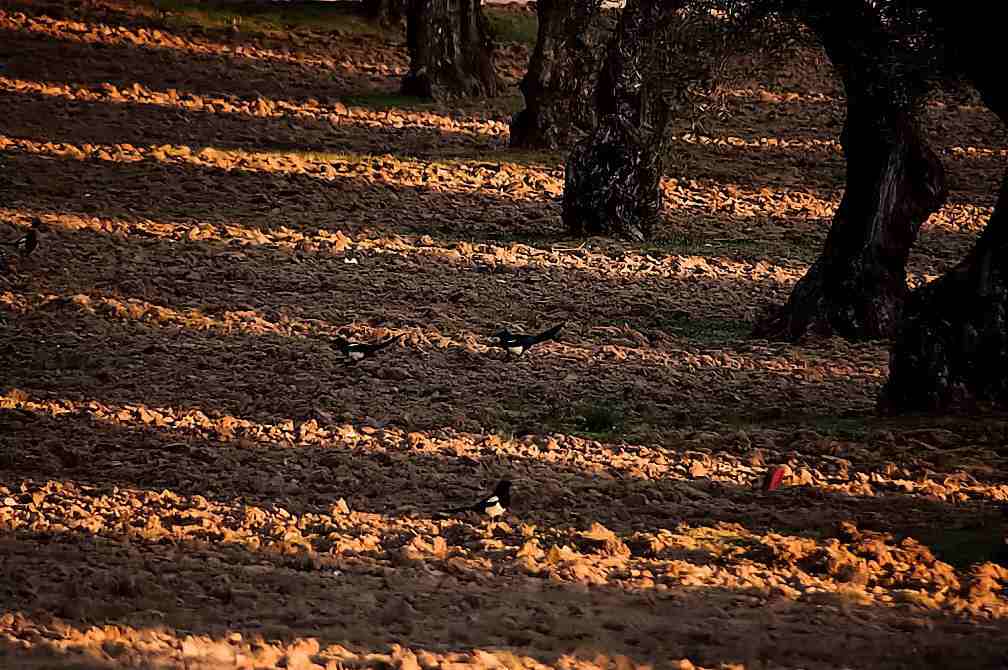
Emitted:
pixel 493 505
pixel 357 351
pixel 28 242
pixel 518 343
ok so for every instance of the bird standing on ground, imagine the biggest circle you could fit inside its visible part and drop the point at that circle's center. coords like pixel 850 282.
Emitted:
pixel 494 505
pixel 357 351
pixel 28 242
pixel 518 343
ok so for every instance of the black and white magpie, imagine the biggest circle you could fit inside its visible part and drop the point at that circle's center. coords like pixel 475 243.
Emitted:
pixel 519 343
pixel 357 351
pixel 493 505
pixel 28 242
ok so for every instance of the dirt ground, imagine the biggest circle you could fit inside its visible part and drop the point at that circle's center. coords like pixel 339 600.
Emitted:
pixel 190 477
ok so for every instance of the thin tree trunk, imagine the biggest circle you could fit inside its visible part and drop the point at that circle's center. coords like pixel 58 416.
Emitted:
pixel 451 53
pixel 559 87
pixel 612 177
pixel 857 287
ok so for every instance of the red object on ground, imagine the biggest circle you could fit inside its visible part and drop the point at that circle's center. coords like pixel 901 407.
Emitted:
pixel 773 478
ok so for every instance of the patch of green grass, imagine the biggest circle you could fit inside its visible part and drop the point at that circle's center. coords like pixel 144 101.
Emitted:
pixel 703 331
pixel 262 18
pixel 677 242
pixel 856 428
pixel 599 419
pixel 387 101
pixel 511 26
pixel 603 420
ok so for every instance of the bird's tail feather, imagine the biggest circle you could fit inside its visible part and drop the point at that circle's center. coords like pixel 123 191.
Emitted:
pixel 549 334
pixel 382 345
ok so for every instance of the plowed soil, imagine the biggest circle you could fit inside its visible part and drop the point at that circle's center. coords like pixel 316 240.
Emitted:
pixel 192 477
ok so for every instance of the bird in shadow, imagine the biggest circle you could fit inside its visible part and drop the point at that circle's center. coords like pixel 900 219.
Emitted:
pixel 358 351
pixel 516 344
pixel 28 242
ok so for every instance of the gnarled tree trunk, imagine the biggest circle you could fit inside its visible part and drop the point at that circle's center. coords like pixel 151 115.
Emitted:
pixel 450 50
pixel 857 287
pixel 951 350
pixel 612 177
pixel 559 87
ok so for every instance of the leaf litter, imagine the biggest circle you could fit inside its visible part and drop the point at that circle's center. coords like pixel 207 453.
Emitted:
pixel 189 476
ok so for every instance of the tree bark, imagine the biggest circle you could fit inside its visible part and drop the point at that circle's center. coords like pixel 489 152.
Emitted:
pixel 951 350
pixel 857 287
pixel 952 347
pixel 612 177
pixel 559 86
pixel 450 50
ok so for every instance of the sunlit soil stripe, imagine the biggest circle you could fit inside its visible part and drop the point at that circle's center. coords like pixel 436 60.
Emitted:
pixel 784 145
pixel 503 179
pixel 602 459
pixel 729 199
pixel 714 197
pixel 779 97
pixel 251 322
pixel 77 645
pixel 338 115
pixel 99 33
pixel 816 146
pixel 601 265
pixel 959 217
pixel 967 153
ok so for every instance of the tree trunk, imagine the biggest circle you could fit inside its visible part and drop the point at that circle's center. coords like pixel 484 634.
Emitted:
pixel 386 12
pixel 560 83
pixel 951 350
pixel 857 287
pixel 450 50
pixel 612 177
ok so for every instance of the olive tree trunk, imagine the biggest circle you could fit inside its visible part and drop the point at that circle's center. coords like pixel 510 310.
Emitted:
pixel 450 50
pixel 951 350
pixel 559 87
pixel 612 177
pixel 857 287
